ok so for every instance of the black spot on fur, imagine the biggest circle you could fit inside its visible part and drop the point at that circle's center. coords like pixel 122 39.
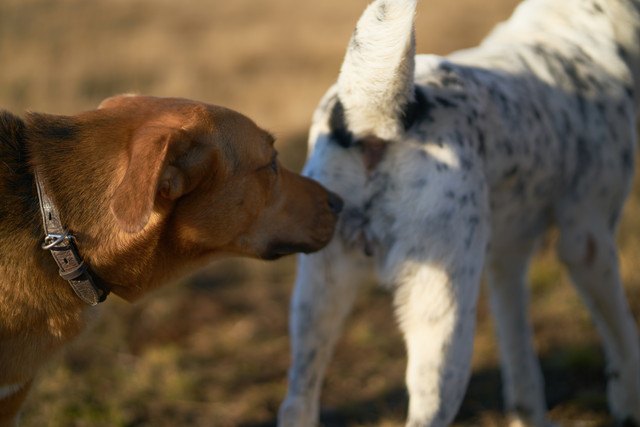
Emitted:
pixel 582 106
pixel 444 102
pixel 470 121
pixel 627 159
pixel 444 216
pixel 593 82
pixel 621 109
pixel 382 12
pixel 419 183
pixel 518 189
pixel 481 144
pixel 53 128
pixel 622 52
pixel 441 167
pixel 511 172
pixel 584 161
pixel 629 92
pixel 508 148
pixel 466 164
pixel 337 123
pixel 418 110
pixel 459 96
pixel 536 113
pixel 11 130
pixel 354 43
pixel 445 66
pixel 597 9
pixel 450 80
pixel 382 184
pixel 614 217
pixel 472 222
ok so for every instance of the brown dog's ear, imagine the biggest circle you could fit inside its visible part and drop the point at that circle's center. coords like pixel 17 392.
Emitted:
pixel 134 198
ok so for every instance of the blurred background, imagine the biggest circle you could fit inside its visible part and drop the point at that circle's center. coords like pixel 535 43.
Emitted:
pixel 213 350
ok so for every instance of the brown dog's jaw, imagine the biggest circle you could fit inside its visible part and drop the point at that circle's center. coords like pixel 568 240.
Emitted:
pixel 317 230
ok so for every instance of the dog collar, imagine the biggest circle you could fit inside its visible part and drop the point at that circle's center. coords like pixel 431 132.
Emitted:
pixel 61 243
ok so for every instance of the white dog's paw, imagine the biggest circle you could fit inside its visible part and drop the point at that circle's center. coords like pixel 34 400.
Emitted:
pixel 294 413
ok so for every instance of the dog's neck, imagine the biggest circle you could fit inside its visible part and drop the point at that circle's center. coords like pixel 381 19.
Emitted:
pixel 82 170
pixel 79 174
pixel 35 299
pixel 21 230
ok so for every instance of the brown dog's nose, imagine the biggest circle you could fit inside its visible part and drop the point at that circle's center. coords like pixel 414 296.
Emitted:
pixel 335 203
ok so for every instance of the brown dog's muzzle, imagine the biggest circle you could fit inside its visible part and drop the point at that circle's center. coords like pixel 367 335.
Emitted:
pixel 309 214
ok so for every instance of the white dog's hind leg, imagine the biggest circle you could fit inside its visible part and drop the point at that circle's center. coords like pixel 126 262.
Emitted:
pixel 436 310
pixel 587 246
pixel 439 339
pixel 326 286
pixel 523 388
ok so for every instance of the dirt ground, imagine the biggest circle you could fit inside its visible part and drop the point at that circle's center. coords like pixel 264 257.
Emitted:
pixel 213 350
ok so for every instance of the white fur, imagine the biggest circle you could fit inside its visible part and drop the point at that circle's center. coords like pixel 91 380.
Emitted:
pixel 376 67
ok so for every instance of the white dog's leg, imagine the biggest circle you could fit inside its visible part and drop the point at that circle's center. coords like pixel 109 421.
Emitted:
pixel 588 249
pixel 523 388
pixel 438 329
pixel 326 286
pixel 436 310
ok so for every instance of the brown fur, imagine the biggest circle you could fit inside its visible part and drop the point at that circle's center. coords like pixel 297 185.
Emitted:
pixel 149 187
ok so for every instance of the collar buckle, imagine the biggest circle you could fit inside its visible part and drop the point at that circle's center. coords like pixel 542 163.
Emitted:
pixel 51 240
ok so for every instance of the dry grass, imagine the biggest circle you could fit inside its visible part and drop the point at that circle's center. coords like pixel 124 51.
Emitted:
pixel 213 350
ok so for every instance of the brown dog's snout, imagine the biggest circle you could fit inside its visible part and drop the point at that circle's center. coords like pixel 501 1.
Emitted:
pixel 335 203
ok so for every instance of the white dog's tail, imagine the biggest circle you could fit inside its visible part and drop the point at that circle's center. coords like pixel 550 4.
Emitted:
pixel 376 80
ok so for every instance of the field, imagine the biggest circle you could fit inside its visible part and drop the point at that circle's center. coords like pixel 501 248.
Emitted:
pixel 213 350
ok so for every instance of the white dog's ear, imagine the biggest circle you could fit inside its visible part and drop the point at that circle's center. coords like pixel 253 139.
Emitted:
pixel 376 80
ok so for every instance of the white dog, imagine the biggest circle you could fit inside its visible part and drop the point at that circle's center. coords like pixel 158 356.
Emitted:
pixel 451 166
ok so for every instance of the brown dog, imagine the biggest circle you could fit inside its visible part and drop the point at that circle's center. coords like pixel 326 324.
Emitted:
pixel 148 187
